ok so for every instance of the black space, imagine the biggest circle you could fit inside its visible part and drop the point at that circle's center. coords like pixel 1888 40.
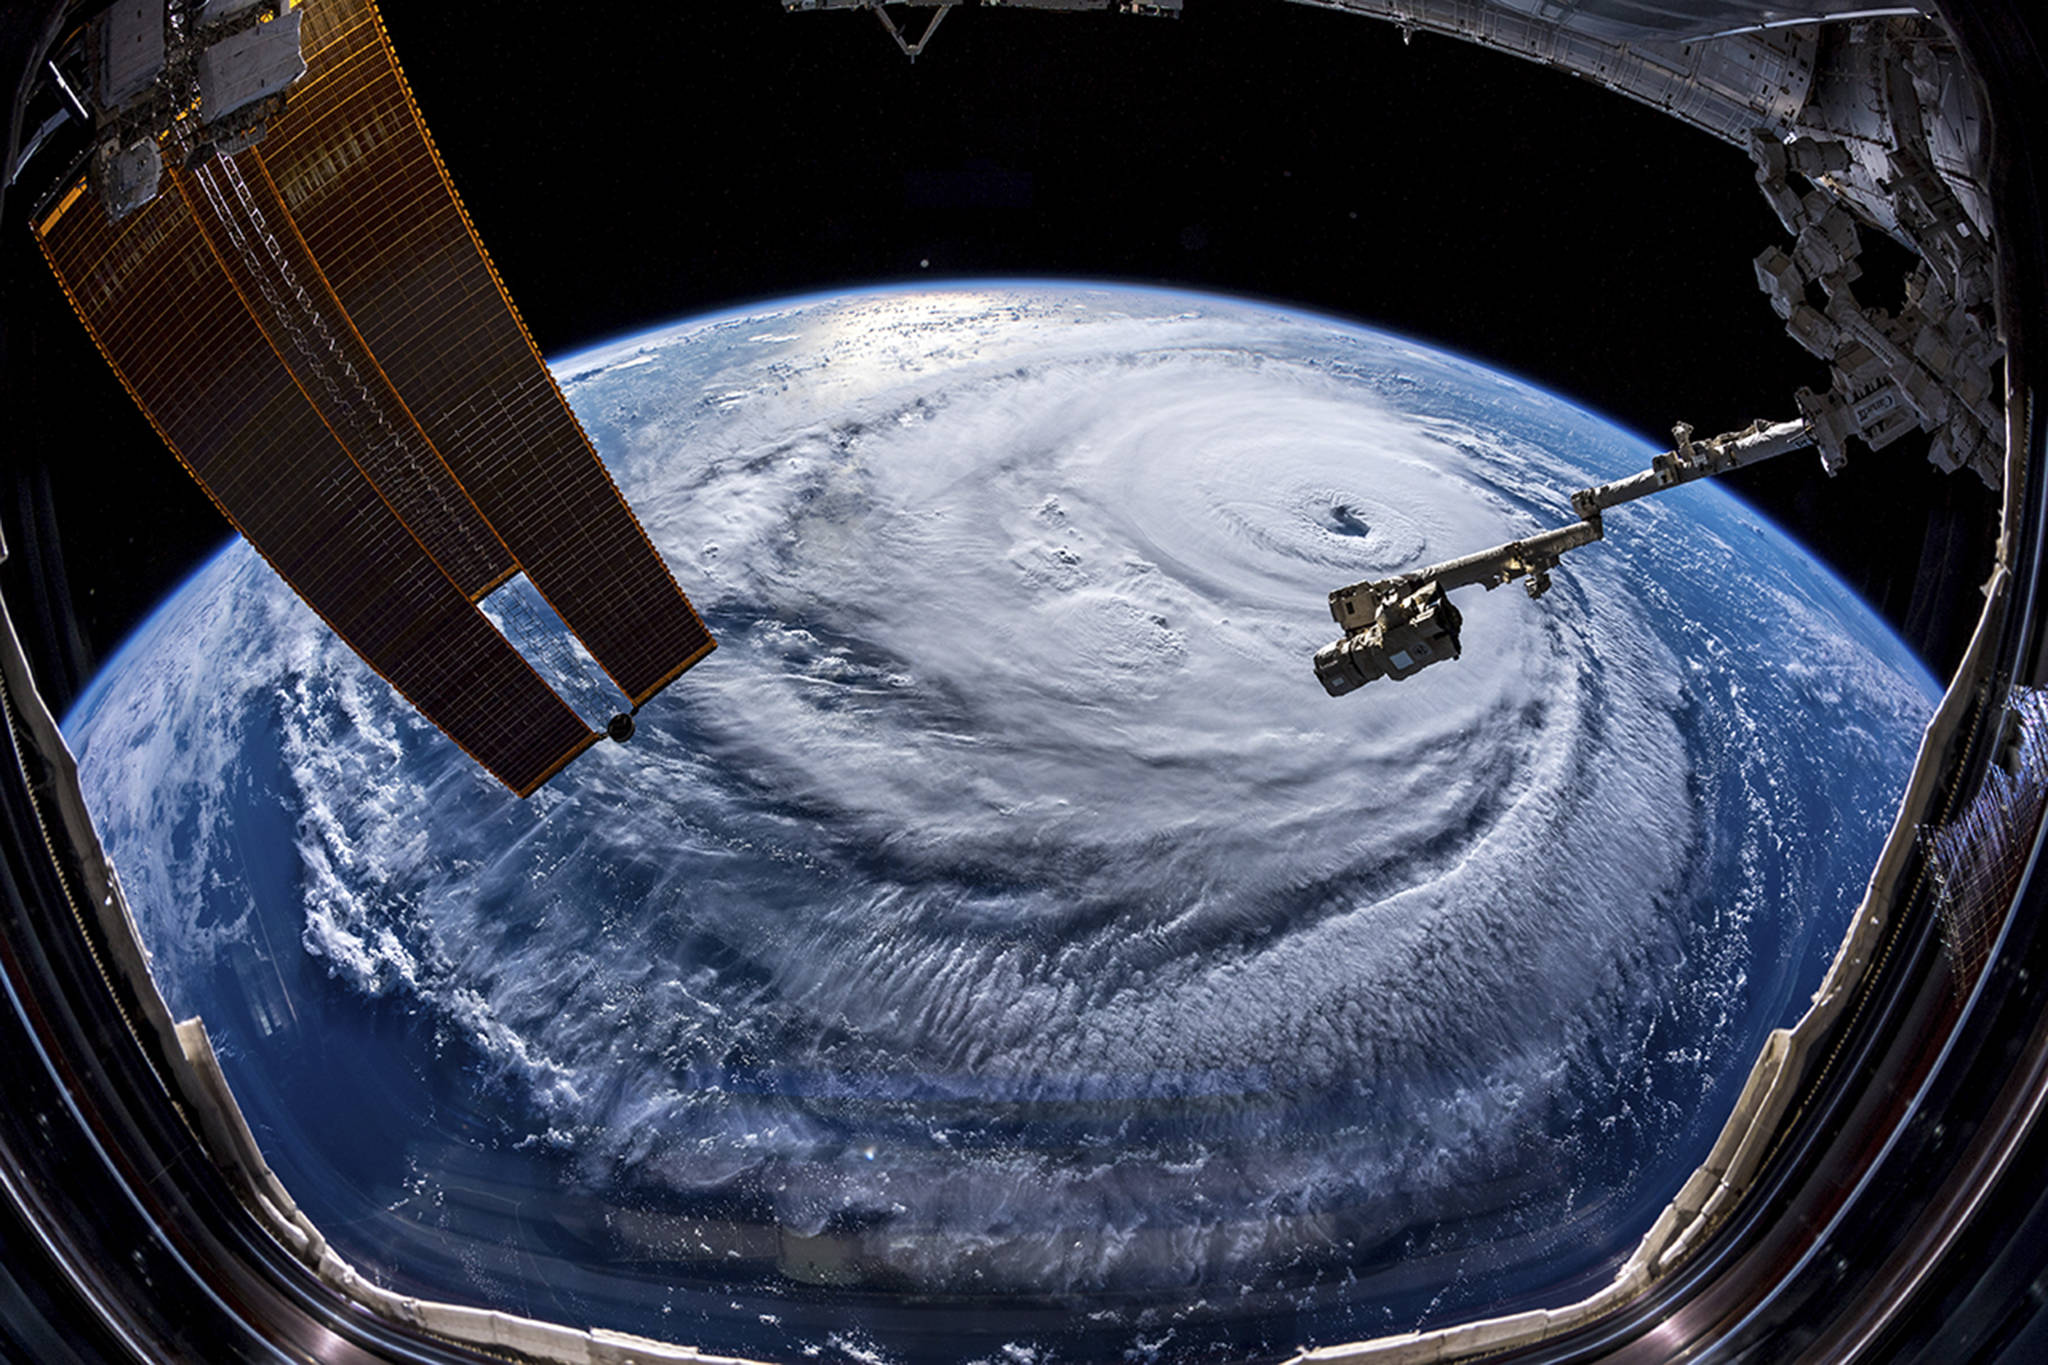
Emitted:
pixel 653 163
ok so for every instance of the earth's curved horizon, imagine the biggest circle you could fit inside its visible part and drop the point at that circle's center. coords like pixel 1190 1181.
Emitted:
pixel 1001 941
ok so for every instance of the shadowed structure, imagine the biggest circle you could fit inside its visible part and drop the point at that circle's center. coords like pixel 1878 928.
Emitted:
pixel 316 330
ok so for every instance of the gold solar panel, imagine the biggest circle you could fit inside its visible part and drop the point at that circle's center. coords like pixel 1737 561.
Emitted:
pixel 355 163
pixel 315 330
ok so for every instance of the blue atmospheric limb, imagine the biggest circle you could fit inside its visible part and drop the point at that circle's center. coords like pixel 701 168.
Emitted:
pixel 1002 940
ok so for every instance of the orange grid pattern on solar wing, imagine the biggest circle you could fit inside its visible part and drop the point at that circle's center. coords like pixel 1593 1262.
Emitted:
pixel 256 243
pixel 353 162
pixel 169 319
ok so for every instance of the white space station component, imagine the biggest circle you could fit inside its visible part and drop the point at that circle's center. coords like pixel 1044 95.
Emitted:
pixel 218 70
pixel 244 67
pixel 1396 627
pixel 1861 118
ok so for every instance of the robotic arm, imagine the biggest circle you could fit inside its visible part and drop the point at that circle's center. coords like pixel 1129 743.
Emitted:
pixel 1396 627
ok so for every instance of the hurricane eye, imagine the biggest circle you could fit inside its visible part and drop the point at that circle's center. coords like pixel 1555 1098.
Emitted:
pixel 1346 522
pixel 1003 915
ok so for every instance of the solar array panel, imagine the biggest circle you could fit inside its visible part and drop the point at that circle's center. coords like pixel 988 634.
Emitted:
pixel 252 237
pixel 354 161
pixel 313 326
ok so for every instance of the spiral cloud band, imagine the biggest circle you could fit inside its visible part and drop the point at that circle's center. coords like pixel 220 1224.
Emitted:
pixel 1004 907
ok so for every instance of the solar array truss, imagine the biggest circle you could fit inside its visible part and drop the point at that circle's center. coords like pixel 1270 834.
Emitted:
pixel 314 328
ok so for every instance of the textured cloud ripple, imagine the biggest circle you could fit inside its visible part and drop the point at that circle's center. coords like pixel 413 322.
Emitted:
pixel 1004 905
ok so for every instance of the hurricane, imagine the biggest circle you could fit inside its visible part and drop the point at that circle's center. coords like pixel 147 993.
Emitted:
pixel 1003 913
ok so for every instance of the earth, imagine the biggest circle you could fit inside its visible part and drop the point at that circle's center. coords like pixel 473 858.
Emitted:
pixel 1001 948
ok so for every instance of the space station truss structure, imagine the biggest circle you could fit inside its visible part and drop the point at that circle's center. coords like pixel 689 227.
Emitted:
pixel 1859 118
pixel 302 308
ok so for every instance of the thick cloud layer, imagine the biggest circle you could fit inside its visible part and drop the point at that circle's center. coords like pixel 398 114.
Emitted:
pixel 1004 899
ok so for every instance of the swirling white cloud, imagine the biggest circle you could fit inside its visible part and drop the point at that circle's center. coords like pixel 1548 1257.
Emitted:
pixel 1005 886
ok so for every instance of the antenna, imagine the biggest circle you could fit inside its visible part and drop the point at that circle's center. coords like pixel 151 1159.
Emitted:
pixel 941 8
